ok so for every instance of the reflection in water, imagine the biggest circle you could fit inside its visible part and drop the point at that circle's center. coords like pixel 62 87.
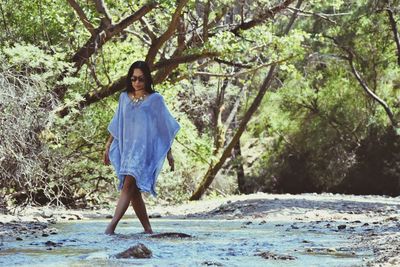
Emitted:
pixel 213 242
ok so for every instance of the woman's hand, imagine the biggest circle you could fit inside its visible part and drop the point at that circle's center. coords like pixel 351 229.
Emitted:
pixel 106 158
pixel 171 160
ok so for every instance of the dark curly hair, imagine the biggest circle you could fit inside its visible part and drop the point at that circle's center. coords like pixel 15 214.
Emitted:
pixel 148 80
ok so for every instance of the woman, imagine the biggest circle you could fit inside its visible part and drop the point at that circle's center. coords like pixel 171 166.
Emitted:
pixel 141 134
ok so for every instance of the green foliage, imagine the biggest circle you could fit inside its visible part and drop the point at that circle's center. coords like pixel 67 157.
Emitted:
pixel 316 129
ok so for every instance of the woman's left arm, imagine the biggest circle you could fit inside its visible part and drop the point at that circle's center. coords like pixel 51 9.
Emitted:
pixel 171 159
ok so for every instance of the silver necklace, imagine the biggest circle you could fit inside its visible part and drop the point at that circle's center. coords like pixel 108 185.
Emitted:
pixel 139 99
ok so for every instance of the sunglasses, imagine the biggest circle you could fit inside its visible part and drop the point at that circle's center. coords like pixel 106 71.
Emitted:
pixel 134 79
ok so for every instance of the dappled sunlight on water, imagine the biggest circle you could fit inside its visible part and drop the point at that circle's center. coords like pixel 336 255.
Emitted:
pixel 213 243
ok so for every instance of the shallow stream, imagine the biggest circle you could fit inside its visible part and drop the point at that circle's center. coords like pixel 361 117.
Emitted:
pixel 214 242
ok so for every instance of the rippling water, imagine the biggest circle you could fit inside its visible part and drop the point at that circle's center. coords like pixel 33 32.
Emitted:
pixel 214 243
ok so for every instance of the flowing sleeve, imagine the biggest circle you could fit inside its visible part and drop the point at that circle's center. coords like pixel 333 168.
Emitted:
pixel 167 126
pixel 113 127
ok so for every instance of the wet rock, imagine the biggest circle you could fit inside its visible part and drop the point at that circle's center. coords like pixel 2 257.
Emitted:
pixel 248 223
pixel 394 219
pixel 272 256
pixel 155 215
pixel 262 222
pixel 45 234
pixel 365 224
pixel 47 214
pixel 52 244
pixel 18 238
pixel 109 217
pixel 139 251
pixel 341 227
pixel 212 263
pixel 171 235
pixel 78 216
pixel 237 212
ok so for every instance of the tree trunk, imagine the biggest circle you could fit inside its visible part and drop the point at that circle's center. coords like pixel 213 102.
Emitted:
pixel 213 169
pixel 237 153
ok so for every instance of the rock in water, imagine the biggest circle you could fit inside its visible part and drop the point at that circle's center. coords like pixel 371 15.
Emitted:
pixel 171 235
pixel 155 215
pixel 272 256
pixel 139 251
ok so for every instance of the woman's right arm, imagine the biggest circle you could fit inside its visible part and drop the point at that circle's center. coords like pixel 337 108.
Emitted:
pixel 106 158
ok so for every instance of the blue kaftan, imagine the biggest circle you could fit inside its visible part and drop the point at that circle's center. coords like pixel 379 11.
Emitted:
pixel 143 133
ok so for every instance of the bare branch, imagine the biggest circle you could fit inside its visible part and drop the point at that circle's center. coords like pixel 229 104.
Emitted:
pixel 236 74
pixel 82 16
pixel 270 13
pixel 181 34
pixel 319 15
pixel 144 40
pixel 105 34
pixel 118 85
pixel 233 64
pixel 361 81
pixel 167 66
pixel 183 59
pixel 102 9
pixel 124 23
pixel 92 68
pixel 395 32
pixel 372 94
pixel 205 20
pixel 148 30
pixel 151 55
pixel 235 108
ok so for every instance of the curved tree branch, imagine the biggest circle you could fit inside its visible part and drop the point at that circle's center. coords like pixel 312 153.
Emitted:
pixel 102 9
pixel 82 16
pixel 395 31
pixel 372 94
pixel 156 45
pixel 270 13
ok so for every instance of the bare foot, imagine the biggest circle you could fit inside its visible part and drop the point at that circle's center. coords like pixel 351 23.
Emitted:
pixel 149 231
pixel 109 230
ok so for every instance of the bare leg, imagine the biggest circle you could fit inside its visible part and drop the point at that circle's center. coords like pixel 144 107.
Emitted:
pixel 122 205
pixel 140 209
